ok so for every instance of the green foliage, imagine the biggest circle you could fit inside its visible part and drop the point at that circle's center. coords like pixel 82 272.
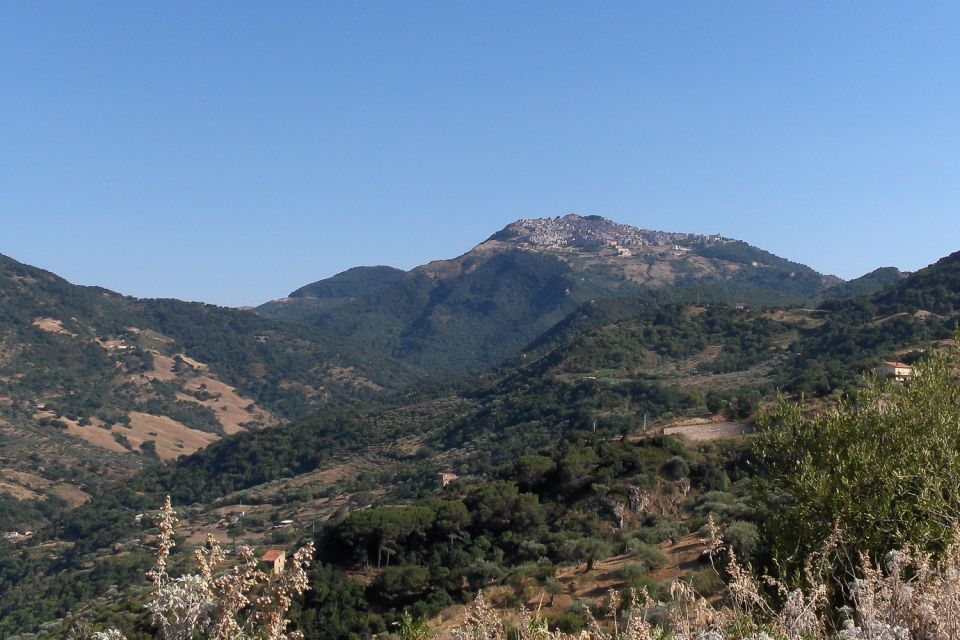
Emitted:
pixel 490 311
pixel 778 280
pixel 350 284
pixel 884 467
pixel 410 628
pixel 864 285
pixel 649 555
pixel 744 538
pixel 488 306
pixel 403 585
pixel 27 515
pixel 545 483
pixel 707 582
pixel 632 573
pixel 856 334
pixel 532 471
pixel 675 468
pixel 571 621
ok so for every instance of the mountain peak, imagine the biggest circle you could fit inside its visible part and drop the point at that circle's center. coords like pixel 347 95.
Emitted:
pixel 574 230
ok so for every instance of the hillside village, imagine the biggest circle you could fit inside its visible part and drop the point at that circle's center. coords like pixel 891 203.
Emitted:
pixel 577 231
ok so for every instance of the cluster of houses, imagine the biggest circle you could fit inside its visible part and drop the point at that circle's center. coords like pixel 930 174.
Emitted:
pixel 574 230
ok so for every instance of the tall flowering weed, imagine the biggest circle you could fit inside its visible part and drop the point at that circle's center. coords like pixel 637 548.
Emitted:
pixel 242 603
pixel 908 596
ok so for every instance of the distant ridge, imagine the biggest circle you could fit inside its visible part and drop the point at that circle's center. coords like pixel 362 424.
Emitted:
pixel 866 284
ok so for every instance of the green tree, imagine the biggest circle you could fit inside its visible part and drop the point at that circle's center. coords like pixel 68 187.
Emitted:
pixel 884 466
pixel 531 471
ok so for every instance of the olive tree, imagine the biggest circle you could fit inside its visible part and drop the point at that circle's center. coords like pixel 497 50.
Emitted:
pixel 883 466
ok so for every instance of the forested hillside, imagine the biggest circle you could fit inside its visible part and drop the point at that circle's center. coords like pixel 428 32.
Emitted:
pixel 905 320
pixel 94 384
pixel 866 284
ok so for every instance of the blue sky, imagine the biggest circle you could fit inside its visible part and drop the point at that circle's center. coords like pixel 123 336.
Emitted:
pixel 231 152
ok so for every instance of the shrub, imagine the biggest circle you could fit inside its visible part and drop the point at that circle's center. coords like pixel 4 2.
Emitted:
pixel 571 621
pixel 660 531
pixel 706 582
pixel 744 538
pixel 649 555
pixel 632 572
pixel 675 468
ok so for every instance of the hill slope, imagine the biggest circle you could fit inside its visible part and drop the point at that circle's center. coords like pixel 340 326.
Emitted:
pixel 94 384
pixel 866 284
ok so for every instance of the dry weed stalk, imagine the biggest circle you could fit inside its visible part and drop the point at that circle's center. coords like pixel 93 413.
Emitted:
pixel 244 603
pixel 911 596
pixel 482 622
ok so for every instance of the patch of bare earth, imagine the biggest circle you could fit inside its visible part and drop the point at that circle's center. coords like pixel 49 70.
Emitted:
pixel 72 495
pixel 233 411
pixel 19 491
pixel 150 334
pixel 163 368
pixel 172 438
pixel 27 486
pixel 804 318
pixel 52 325
pixel 196 364
pixel 708 430
pixel 25 479
pixel 894 316
pixel 94 434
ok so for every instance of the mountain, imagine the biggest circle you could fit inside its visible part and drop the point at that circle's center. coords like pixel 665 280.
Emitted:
pixel 935 289
pixel 865 284
pixel 344 287
pixel 666 364
pixel 93 385
pixel 477 309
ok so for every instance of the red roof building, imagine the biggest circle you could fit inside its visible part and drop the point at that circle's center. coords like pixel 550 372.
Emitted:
pixel 275 558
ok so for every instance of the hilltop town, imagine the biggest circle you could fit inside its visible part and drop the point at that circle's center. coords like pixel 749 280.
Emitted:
pixel 591 231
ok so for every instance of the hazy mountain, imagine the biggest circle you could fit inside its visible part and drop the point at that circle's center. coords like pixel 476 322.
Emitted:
pixel 474 310
pixel 865 284
pixel 325 294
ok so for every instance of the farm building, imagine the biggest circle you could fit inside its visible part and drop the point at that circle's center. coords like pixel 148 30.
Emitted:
pixel 274 559
pixel 896 370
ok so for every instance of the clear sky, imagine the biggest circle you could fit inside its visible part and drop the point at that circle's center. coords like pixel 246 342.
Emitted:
pixel 231 152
